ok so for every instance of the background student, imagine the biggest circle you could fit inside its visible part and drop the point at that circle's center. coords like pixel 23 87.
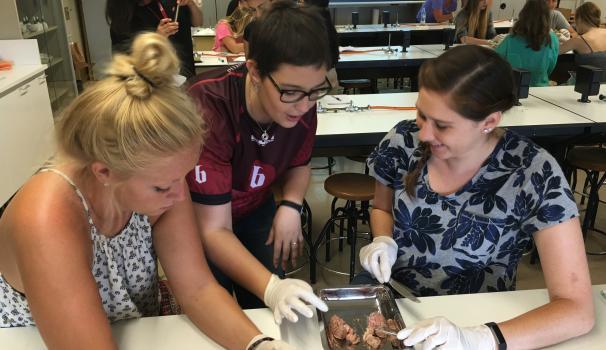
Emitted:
pixel 473 24
pixel 590 45
pixel 128 18
pixel 229 31
pixel 531 45
pixel 437 11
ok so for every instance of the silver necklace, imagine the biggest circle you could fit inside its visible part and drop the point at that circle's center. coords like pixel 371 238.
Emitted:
pixel 265 132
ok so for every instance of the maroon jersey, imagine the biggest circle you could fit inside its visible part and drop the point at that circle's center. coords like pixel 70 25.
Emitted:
pixel 236 163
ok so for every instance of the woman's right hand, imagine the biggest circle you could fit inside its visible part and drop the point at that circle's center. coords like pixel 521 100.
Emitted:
pixel 167 27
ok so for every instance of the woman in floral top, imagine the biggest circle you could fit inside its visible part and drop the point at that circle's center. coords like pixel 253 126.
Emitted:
pixel 457 200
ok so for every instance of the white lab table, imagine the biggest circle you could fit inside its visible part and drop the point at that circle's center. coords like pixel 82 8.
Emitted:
pixel 365 127
pixel 177 332
pixel 566 98
pixel 381 56
pixel 373 28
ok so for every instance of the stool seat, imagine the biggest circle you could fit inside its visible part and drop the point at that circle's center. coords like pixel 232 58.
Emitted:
pixel 351 186
pixel 589 158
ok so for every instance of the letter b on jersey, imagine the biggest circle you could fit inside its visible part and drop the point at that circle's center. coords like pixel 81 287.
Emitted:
pixel 258 178
pixel 200 175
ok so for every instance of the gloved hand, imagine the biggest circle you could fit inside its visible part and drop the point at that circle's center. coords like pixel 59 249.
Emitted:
pixel 282 296
pixel 267 344
pixel 379 256
pixel 440 333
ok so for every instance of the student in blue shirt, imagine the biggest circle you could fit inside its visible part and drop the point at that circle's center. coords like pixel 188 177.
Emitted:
pixel 437 11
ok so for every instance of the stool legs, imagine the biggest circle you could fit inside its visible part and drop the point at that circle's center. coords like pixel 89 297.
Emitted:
pixel 595 182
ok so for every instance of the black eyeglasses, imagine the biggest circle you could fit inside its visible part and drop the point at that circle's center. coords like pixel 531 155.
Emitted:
pixel 292 96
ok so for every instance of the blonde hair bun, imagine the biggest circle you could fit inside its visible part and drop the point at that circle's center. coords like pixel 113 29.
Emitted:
pixel 152 64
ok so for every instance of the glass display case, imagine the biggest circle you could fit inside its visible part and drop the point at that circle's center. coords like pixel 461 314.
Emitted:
pixel 43 20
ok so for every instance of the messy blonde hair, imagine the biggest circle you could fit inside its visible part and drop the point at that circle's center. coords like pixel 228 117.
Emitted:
pixel 239 19
pixel 133 116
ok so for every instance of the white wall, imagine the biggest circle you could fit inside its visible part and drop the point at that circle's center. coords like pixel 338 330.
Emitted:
pixel 9 20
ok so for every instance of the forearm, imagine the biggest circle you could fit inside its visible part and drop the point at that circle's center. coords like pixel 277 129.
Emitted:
pixel 381 223
pixel 443 18
pixel 475 41
pixel 221 246
pixel 232 45
pixel 197 19
pixel 233 329
pixel 549 324
pixel 296 181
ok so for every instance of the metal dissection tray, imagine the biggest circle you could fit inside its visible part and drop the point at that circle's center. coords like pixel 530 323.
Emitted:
pixel 354 305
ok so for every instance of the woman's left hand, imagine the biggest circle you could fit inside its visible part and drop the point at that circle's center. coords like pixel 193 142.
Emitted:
pixel 440 333
pixel 286 236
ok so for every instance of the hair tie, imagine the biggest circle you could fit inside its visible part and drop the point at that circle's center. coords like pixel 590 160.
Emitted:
pixel 146 79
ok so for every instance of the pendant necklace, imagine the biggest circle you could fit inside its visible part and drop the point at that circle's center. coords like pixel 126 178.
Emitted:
pixel 265 132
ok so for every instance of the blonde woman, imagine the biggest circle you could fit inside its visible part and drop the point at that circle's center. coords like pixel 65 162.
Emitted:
pixel 79 242
pixel 229 31
pixel 473 24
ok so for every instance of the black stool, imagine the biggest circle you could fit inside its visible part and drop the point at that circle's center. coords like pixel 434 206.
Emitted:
pixel 352 188
pixel 592 160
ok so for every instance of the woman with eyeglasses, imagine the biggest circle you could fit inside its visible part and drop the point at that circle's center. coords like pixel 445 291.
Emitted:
pixel 262 123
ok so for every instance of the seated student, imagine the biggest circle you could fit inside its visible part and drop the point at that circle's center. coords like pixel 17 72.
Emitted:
pixel 262 118
pixel 126 19
pixel 229 30
pixel 437 11
pixel 79 242
pixel 473 24
pixel 531 45
pixel 457 201
pixel 590 45
pixel 557 21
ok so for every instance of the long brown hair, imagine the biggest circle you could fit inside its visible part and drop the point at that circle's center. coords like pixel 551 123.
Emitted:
pixel 475 81
pixel 589 14
pixel 477 19
pixel 533 24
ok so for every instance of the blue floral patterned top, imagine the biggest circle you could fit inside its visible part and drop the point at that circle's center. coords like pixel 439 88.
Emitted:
pixel 472 240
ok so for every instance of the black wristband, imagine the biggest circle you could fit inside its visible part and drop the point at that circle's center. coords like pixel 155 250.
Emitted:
pixel 494 328
pixel 296 206
pixel 254 345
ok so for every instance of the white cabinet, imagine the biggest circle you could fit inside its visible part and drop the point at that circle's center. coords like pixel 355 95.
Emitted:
pixel 50 32
pixel 26 132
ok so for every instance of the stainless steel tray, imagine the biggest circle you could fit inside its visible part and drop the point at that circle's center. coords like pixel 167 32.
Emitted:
pixel 353 304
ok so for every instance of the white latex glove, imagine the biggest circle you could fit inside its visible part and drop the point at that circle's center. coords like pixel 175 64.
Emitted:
pixel 440 333
pixel 268 344
pixel 379 256
pixel 284 296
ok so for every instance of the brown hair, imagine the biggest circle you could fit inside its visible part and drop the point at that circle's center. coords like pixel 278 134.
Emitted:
pixel 589 14
pixel 477 19
pixel 134 115
pixel 533 24
pixel 291 34
pixel 476 81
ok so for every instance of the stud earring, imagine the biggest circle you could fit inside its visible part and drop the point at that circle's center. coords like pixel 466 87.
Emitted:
pixel 486 130
pixel 105 184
